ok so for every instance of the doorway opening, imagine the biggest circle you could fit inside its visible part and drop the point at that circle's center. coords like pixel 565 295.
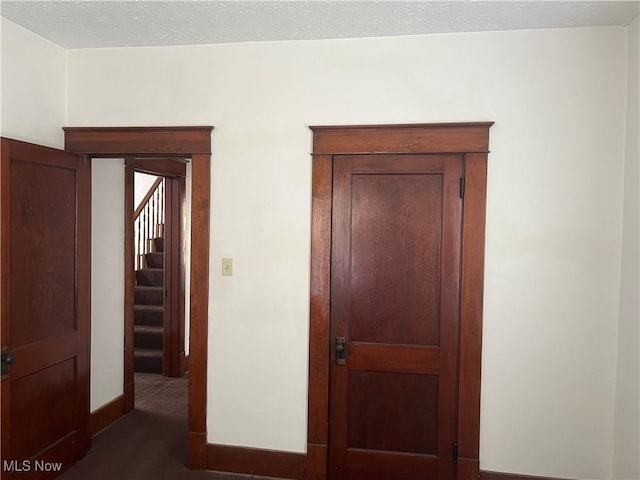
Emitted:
pixel 157 218
pixel 149 264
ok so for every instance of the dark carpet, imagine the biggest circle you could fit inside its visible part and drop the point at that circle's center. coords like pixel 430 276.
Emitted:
pixel 147 443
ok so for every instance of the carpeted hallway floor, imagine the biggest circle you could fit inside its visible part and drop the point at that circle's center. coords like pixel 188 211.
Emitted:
pixel 149 442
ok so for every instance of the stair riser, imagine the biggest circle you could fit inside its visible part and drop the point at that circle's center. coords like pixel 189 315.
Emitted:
pixel 147 340
pixel 151 278
pixel 145 296
pixel 148 318
pixel 155 260
pixel 147 365
pixel 158 244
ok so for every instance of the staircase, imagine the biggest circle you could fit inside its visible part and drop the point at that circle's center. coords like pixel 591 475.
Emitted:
pixel 149 291
pixel 148 329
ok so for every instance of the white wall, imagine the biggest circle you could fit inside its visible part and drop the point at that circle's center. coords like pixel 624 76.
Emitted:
pixel 33 87
pixel 554 213
pixel 107 274
pixel 627 413
pixel 142 182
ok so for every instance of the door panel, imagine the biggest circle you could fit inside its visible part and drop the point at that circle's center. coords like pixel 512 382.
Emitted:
pixel 391 466
pixel 410 400
pixel 45 307
pixel 385 256
pixel 42 273
pixel 43 407
pixel 395 298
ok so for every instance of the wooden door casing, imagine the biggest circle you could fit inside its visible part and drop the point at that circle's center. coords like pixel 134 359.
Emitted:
pixel 174 353
pixel 46 221
pixel 395 298
pixel 184 142
pixel 471 140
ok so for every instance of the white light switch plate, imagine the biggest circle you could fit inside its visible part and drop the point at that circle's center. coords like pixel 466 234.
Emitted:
pixel 227 266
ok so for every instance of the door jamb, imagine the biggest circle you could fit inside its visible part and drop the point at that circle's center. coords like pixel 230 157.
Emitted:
pixel 186 142
pixel 468 139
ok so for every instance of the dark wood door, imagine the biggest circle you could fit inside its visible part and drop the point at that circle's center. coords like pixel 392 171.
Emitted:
pixel 45 308
pixel 395 283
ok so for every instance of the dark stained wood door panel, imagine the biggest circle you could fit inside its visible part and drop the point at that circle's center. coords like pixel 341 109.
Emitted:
pixel 395 298
pixel 45 307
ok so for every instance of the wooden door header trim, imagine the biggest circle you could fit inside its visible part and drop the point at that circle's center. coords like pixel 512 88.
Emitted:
pixel 168 167
pixel 414 138
pixel 159 128
pixel 400 126
pixel 148 141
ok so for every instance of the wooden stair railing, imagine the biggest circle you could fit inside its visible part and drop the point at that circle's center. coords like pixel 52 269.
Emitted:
pixel 148 220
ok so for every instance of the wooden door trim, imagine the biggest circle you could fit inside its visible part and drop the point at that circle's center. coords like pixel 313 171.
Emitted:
pixel 194 143
pixel 414 138
pixel 139 141
pixel 469 139
pixel 5 398
pixel 160 166
pixel 173 351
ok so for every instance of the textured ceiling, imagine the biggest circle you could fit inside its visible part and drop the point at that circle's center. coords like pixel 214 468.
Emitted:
pixel 96 24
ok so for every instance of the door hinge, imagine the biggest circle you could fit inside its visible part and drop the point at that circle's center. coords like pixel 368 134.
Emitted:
pixel 461 187
pixel 455 453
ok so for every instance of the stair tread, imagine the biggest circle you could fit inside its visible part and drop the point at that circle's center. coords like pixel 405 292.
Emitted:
pixel 149 308
pixel 147 352
pixel 148 328
pixel 153 277
pixel 149 295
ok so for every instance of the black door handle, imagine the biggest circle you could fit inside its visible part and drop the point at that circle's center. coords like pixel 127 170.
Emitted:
pixel 340 351
pixel 7 359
